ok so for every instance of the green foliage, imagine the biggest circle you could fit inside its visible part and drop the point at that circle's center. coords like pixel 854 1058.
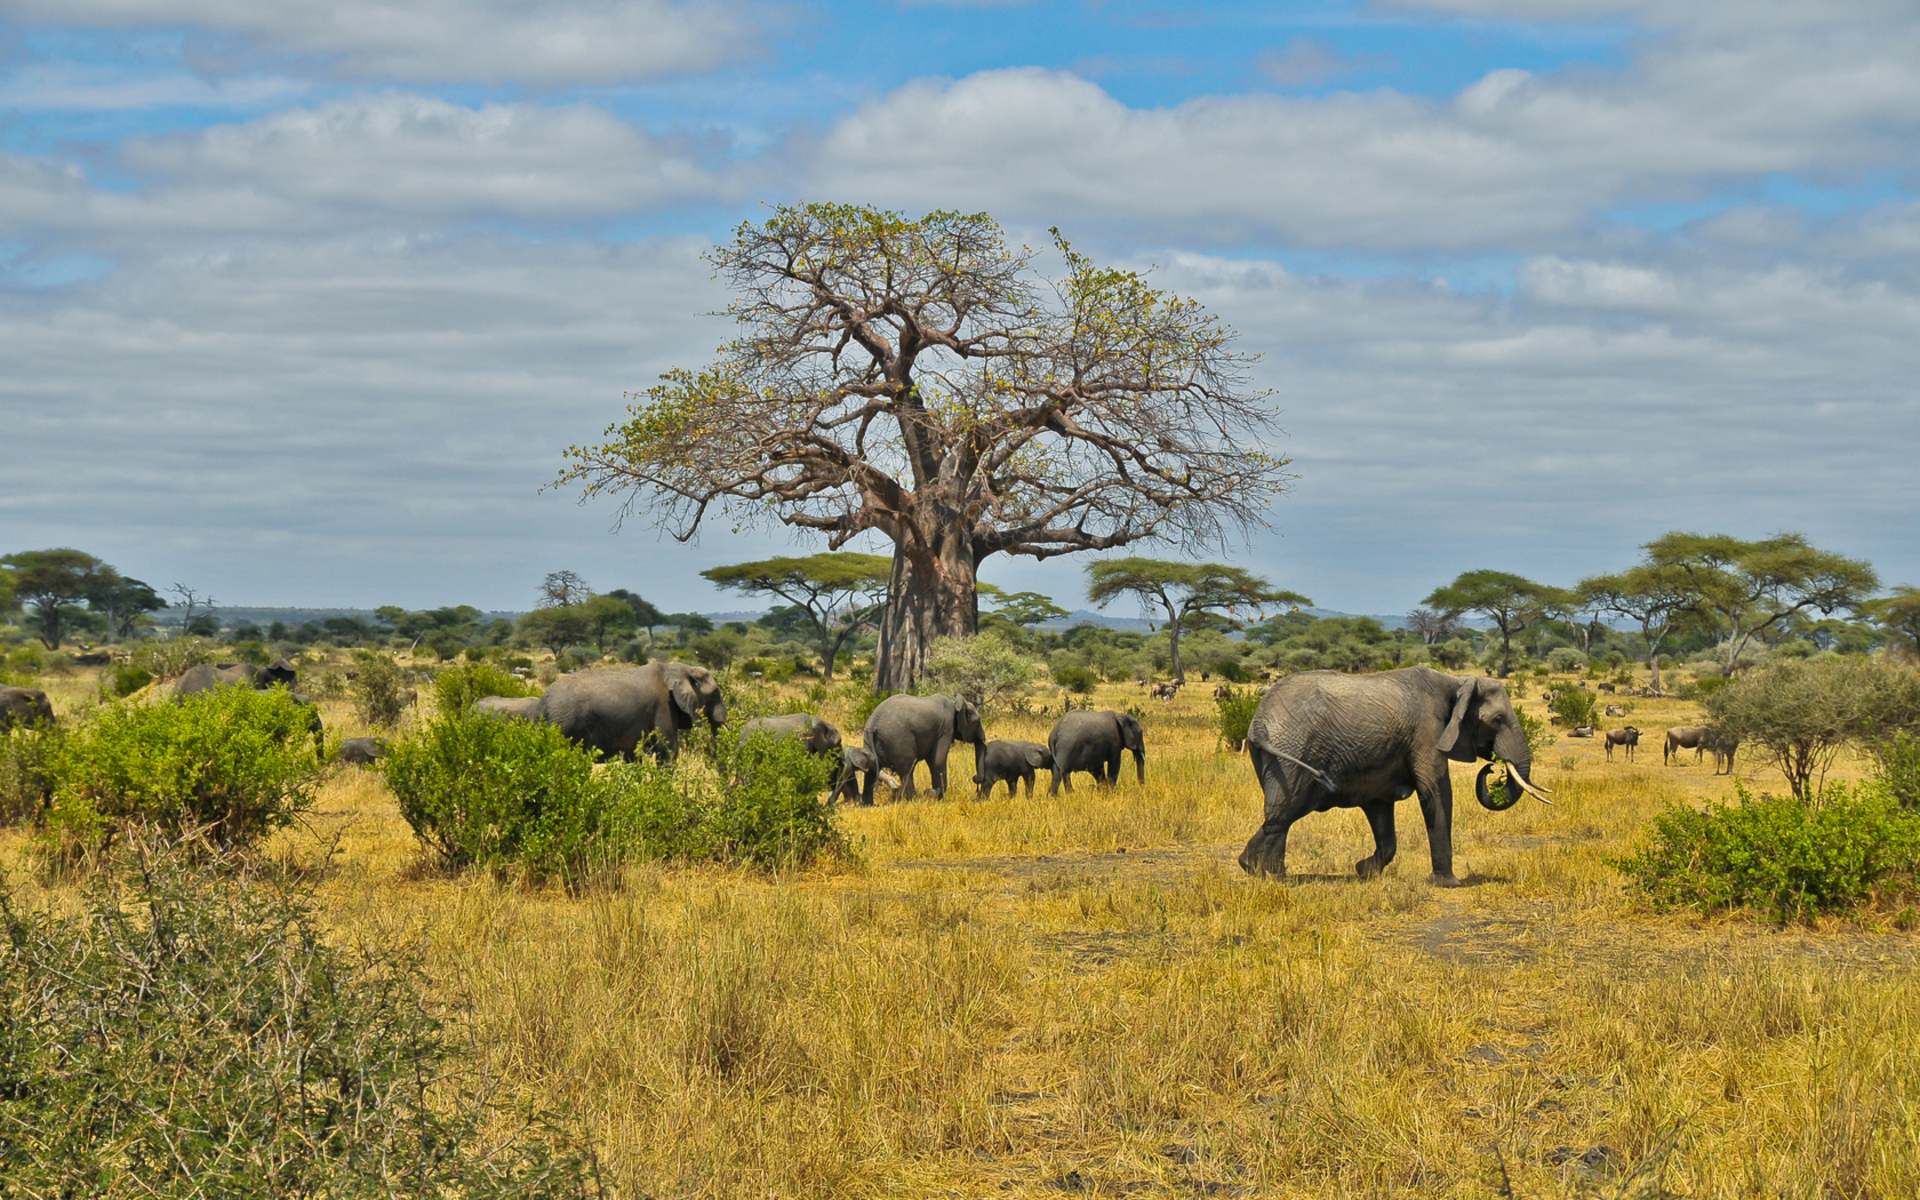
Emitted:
pixel 862 706
pixel 377 688
pixel 1538 733
pixel 1899 769
pixel 486 792
pixel 984 669
pixel 556 628
pixel 716 650
pixel 1798 715
pixel 232 761
pixel 1235 716
pixel 1779 855
pixel 456 688
pixel 189 1035
pixel 1023 608
pixel 1075 678
pixel 26 771
pixel 123 679
pixel 1231 670
pixel 174 657
pixel 1565 658
pixel 1453 654
pixel 1576 706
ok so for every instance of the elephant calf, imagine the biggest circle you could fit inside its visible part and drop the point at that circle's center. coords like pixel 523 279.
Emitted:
pixel 818 736
pixel 856 764
pixel 1092 742
pixel 1010 763
pixel 362 751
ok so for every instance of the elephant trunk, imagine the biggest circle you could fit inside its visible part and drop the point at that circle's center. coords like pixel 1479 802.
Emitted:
pixel 1510 794
pixel 1140 761
pixel 1511 747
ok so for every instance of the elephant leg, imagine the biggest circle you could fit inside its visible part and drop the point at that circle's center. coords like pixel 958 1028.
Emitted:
pixel 1113 769
pixel 1436 806
pixel 1385 844
pixel 1026 777
pixel 1266 851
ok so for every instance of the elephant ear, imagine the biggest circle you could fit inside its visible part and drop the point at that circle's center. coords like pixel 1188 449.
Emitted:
pixel 1036 757
pixel 1131 734
pixel 1465 697
pixel 681 686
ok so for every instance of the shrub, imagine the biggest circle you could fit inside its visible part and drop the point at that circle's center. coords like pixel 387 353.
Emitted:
pixel 777 811
pixel 205 1039
pixel 1899 769
pixel 121 680
pixel 233 762
pixel 1576 706
pixel 456 688
pixel 1538 733
pixel 1231 670
pixel 717 649
pixel 984 669
pixel 1236 717
pixel 26 775
pixel 482 791
pixel 1798 715
pixel 1075 678
pixel 1453 654
pixel 1565 658
pixel 171 658
pixel 1779 855
pixel 376 688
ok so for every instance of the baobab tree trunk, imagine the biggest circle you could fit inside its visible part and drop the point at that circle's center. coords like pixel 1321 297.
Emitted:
pixel 931 594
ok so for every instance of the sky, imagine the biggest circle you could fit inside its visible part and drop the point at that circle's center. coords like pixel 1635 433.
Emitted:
pixel 302 303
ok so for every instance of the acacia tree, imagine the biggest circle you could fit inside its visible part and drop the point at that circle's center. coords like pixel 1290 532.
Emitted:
pixel 1023 608
pixel 1433 627
pixel 53 584
pixel 1657 597
pixel 919 378
pixel 841 594
pixel 1511 602
pixel 1184 592
pixel 1748 588
pixel 1899 615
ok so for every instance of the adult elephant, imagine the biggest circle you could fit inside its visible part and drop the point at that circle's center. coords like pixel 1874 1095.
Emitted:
pixel 905 731
pixel 24 706
pixel 615 712
pixel 819 737
pixel 513 708
pixel 1323 739
pixel 1092 742
pixel 201 678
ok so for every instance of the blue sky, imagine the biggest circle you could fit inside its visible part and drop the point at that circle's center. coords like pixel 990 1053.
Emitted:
pixel 303 301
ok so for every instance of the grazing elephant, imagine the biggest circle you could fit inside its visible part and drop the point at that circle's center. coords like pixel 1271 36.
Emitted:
pixel 905 731
pixel 1322 740
pixel 818 736
pixel 512 708
pixel 856 763
pixel 1092 742
pixel 1010 763
pixel 1628 737
pixel 25 707
pixel 362 751
pixel 200 678
pixel 1723 745
pixel 615 712
pixel 1685 737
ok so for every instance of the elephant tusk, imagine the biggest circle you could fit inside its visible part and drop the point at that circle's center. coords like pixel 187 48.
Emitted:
pixel 1537 793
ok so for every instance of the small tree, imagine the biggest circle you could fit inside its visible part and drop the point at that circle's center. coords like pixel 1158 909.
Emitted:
pixel 556 628
pixel 125 603
pixel 563 589
pixel 985 669
pixel 916 378
pixel 1182 591
pixel 645 615
pixel 605 617
pixel 841 594
pixel 1511 602
pixel 1899 615
pixel 1751 587
pixel 1659 598
pixel 1798 715
pixel 53 585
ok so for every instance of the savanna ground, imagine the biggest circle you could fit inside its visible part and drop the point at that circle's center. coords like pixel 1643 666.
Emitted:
pixel 1084 994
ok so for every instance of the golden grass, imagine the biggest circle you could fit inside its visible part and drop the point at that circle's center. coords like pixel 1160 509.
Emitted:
pixel 1083 993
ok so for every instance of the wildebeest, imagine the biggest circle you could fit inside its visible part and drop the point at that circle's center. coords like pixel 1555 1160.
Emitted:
pixel 1223 692
pixel 1165 691
pixel 1616 710
pixel 24 706
pixel 1608 687
pixel 1581 731
pixel 1684 737
pixel 1628 737
pixel 1723 745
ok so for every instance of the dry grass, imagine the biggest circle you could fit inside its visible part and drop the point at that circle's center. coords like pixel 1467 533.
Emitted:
pixel 1085 994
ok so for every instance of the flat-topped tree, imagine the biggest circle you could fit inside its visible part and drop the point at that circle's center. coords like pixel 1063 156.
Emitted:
pixel 1186 593
pixel 1899 615
pixel 1659 598
pixel 1748 588
pixel 1511 602
pixel 919 378
pixel 841 594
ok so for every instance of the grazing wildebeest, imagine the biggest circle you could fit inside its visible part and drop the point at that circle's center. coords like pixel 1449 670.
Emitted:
pixel 1684 737
pixel 1165 691
pixel 1628 737
pixel 1581 731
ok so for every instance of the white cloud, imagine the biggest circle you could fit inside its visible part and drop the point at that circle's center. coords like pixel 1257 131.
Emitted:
pixel 38 86
pixel 1300 62
pixel 490 41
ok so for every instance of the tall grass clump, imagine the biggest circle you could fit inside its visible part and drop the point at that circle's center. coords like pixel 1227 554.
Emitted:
pixel 1782 856
pixel 231 763
pixel 192 1034
pixel 456 688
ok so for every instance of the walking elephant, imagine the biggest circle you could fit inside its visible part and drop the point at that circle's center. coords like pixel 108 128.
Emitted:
pixel 24 706
pixel 856 764
pixel 1092 742
pixel 513 708
pixel 200 678
pixel 818 736
pixel 1011 763
pixel 905 731
pixel 614 713
pixel 1322 740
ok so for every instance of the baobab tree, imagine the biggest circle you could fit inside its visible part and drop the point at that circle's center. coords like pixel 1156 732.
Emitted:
pixel 920 379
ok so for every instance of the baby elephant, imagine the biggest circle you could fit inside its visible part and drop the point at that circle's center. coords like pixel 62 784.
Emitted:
pixel 1628 737
pixel 856 764
pixel 362 751
pixel 1006 762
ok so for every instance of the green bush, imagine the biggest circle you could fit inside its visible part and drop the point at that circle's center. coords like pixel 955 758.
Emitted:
pixel 1576 706
pixel 377 688
pixel 1779 855
pixel 188 1035
pixel 1236 716
pixel 123 679
pixel 234 762
pixel 482 791
pixel 985 670
pixel 456 688
pixel 1538 733
pixel 1565 658
pixel 1899 771
pixel 776 812
pixel 171 658
pixel 1231 670
pixel 26 771
pixel 1075 678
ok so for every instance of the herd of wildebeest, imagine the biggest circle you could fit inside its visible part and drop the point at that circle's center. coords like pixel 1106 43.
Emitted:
pixel 1319 740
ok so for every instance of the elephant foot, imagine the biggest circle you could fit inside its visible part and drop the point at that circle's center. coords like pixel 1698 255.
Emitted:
pixel 1367 868
pixel 1446 879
